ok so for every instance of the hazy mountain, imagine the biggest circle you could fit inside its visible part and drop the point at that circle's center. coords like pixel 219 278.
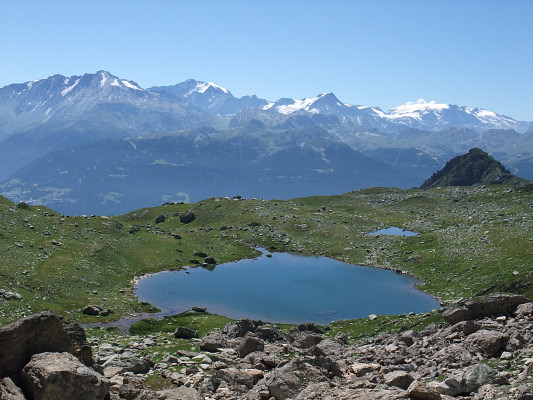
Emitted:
pixel 117 175
pixel 64 140
pixel 59 112
pixel 474 168
pixel 210 97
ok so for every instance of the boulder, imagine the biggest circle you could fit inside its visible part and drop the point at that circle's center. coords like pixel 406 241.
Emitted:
pixel 213 342
pixel 420 391
pixel 328 347
pixel 241 327
pixel 80 347
pixel 488 343
pixel 310 327
pixel 399 379
pixel 476 376
pixel 495 305
pixel 283 384
pixel 525 392
pixel 524 309
pixel 183 332
pixel 10 391
pixel 188 217
pixel 180 393
pixel 127 362
pixel 249 344
pixel 247 377
pixel 160 218
pixel 210 260
pixel 51 376
pixel 38 333
pixel 360 369
pixel 92 310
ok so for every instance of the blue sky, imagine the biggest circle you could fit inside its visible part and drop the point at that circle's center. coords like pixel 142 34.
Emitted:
pixel 378 53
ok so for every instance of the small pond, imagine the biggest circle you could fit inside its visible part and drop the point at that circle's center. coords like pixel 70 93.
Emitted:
pixel 393 230
pixel 286 288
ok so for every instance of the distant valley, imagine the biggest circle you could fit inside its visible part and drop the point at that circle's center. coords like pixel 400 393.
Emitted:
pixel 101 144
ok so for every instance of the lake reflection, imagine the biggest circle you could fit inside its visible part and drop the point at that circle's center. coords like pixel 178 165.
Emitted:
pixel 286 288
pixel 393 231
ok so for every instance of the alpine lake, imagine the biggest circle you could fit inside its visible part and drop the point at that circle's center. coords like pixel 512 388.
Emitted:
pixel 287 288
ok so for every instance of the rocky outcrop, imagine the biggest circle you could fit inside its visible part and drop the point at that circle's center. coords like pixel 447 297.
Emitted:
pixel 490 306
pixel 35 334
pixel 51 376
pixel 484 358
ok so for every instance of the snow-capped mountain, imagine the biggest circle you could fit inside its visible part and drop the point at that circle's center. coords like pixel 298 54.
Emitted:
pixel 433 116
pixel 67 100
pixel 211 97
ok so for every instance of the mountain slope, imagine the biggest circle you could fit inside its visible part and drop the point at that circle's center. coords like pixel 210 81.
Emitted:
pixel 104 177
pixel 211 97
pixel 474 168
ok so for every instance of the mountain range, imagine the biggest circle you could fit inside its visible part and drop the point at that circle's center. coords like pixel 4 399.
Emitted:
pixel 83 144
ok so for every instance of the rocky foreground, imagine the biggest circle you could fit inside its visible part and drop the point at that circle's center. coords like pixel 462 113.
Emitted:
pixel 484 351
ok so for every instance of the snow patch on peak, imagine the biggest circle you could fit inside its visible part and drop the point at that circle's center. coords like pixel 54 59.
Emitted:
pixel 69 88
pixel 416 109
pixel 130 85
pixel 103 78
pixel 303 104
pixel 201 87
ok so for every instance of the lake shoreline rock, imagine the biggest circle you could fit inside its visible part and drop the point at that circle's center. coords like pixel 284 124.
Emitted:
pixel 484 357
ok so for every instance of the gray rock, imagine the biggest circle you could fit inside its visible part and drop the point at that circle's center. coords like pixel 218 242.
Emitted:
pixel 20 340
pixel 420 391
pixel 160 218
pixel 495 305
pixel 180 393
pixel 52 376
pixel 305 340
pixel 283 384
pixel 488 343
pixel 328 347
pixel 250 344
pixel 183 332
pixel 399 379
pixel 476 376
pixel 127 362
pixel 213 342
pixel 524 309
pixel 188 217
pixel 247 377
pixel 10 391
pixel 92 310
pixel 525 392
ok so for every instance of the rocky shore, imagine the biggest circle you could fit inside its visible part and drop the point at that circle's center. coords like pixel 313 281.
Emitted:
pixel 483 351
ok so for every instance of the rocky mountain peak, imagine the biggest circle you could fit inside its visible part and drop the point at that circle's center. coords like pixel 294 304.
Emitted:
pixel 474 168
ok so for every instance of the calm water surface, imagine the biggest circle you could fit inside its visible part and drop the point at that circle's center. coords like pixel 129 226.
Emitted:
pixel 286 288
pixel 393 230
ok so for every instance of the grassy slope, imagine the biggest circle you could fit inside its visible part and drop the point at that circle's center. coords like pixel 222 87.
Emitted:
pixel 472 240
